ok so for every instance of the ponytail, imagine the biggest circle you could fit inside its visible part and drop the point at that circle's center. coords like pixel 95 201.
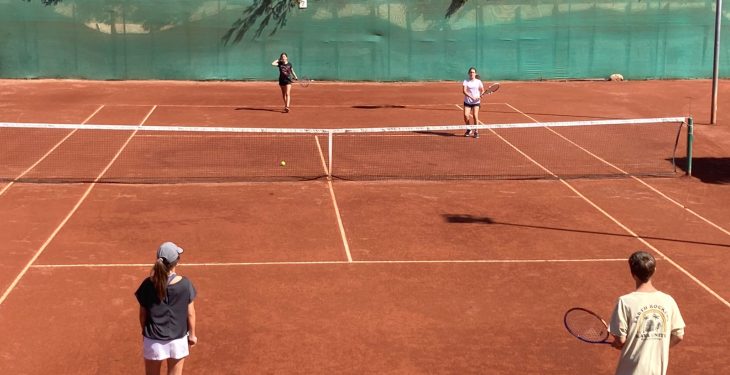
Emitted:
pixel 160 271
pixel 159 278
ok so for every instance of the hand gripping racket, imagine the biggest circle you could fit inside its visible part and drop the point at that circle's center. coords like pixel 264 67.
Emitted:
pixel 491 89
pixel 586 325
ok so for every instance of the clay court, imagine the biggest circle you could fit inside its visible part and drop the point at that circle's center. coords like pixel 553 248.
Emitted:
pixel 371 276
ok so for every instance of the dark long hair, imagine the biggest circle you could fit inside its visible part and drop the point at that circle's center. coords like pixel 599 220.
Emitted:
pixel 160 270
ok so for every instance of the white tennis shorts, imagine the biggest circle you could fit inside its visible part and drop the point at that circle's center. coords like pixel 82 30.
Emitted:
pixel 158 350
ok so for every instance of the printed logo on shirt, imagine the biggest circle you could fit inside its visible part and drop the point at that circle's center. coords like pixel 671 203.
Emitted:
pixel 652 322
pixel 285 70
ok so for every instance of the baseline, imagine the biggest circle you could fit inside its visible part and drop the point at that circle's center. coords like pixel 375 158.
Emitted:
pixel 363 106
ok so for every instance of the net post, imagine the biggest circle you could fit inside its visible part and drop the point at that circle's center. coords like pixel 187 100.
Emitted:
pixel 329 154
pixel 690 140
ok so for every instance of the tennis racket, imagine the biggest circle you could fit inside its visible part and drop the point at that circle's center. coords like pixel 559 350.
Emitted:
pixel 586 325
pixel 491 89
pixel 304 81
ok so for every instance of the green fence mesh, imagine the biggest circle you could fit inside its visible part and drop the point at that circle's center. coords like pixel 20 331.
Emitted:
pixel 375 40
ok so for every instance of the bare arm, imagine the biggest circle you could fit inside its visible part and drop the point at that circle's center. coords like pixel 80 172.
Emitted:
pixel 675 339
pixel 294 74
pixel 142 316
pixel 192 338
pixel 466 92
pixel 275 62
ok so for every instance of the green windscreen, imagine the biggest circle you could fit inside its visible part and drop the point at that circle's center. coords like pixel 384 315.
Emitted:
pixel 374 40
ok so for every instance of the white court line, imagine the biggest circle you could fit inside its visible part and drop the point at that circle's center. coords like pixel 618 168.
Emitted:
pixel 273 136
pixel 334 203
pixel 60 226
pixel 6 187
pixel 668 259
pixel 657 191
pixel 244 107
pixel 624 227
pixel 336 262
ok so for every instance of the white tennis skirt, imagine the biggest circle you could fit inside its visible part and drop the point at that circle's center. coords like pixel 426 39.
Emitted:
pixel 158 350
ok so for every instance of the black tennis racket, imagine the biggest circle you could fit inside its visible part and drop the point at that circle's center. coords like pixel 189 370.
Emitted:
pixel 586 325
pixel 491 89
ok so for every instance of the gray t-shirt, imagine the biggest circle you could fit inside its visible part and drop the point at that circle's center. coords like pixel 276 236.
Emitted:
pixel 166 319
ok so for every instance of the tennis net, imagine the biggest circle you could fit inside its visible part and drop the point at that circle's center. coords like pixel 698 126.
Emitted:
pixel 180 154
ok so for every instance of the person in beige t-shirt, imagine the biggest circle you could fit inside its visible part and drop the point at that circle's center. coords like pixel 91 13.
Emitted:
pixel 645 323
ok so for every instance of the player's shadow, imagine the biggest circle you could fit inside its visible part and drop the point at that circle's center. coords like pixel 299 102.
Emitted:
pixel 708 169
pixel 439 134
pixel 258 109
pixel 471 219
pixel 378 106
pixel 400 106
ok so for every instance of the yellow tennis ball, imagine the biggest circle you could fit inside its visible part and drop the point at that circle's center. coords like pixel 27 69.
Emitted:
pixel 283 163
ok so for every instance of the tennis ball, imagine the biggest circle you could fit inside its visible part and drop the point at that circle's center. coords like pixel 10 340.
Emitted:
pixel 283 163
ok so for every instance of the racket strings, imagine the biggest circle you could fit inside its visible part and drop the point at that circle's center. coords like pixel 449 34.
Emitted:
pixel 586 326
pixel 305 81
pixel 491 89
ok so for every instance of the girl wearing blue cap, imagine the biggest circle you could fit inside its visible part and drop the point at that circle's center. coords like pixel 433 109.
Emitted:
pixel 166 313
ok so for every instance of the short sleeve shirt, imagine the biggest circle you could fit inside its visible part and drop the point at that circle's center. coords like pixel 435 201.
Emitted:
pixel 285 73
pixel 473 87
pixel 647 320
pixel 167 319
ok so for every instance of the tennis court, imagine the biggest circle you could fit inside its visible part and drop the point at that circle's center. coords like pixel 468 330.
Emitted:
pixel 302 270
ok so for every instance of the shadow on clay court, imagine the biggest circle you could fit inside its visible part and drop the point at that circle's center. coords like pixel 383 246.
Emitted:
pixel 708 169
pixel 259 109
pixel 446 108
pixel 378 106
pixel 440 134
pixel 471 219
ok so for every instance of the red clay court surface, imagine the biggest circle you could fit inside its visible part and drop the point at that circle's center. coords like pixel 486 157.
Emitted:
pixel 348 277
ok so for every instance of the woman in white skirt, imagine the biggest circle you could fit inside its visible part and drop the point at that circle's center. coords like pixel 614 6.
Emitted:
pixel 166 313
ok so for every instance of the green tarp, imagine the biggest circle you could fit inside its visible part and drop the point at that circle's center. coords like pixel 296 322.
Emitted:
pixel 373 40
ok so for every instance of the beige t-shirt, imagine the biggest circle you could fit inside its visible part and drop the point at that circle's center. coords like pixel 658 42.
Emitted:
pixel 646 319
